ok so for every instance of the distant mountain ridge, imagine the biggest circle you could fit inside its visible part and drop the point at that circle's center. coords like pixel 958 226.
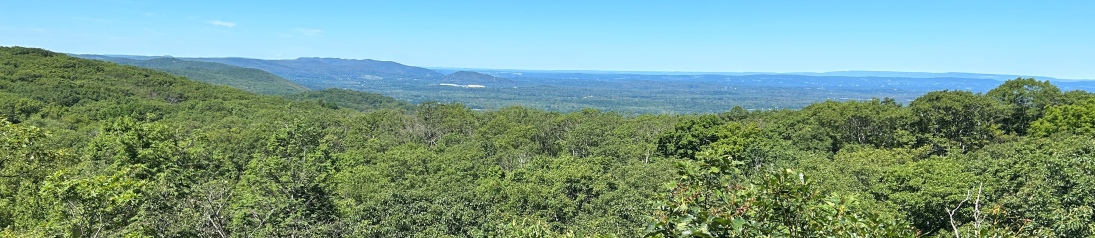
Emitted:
pixel 320 73
pixel 379 67
pixel 637 92
pixel 249 79
pixel 397 69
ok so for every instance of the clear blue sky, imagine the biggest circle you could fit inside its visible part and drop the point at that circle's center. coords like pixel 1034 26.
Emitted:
pixel 1048 38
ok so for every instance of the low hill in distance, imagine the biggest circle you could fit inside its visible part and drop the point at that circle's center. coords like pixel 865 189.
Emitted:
pixel 249 79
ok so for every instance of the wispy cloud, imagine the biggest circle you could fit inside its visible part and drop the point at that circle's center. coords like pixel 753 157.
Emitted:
pixel 222 23
pixel 308 32
pixel 148 14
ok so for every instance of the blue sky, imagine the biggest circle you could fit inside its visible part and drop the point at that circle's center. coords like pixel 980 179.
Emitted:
pixel 1047 38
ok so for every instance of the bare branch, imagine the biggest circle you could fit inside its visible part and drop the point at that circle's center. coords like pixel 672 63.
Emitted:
pixel 951 214
pixel 977 218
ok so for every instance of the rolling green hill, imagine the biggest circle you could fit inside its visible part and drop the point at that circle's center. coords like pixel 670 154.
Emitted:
pixel 251 80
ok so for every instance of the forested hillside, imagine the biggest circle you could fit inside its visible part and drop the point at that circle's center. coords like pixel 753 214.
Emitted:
pixel 343 98
pixel 248 79
pixel 330 72
pixel 261 82
pixel 97 149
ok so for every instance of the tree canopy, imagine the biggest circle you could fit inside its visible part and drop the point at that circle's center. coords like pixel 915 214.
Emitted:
pixel 97 149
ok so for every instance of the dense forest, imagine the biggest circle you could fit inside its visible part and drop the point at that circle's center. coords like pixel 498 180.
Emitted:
pixel 97 149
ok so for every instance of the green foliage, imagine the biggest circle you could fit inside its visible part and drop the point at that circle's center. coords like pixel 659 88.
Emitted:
pixel 881 123
pixel 1041 186
pixel 100 205
pixel 89 148
pixel 957 121
pixel 1027 98
pixel 689 137
pixel 342 98
pixel 1075 118
pixel 859 170
pixel 707 202
pixel 283 191
pixel 924 190
pixel 16 108
pixel 24 164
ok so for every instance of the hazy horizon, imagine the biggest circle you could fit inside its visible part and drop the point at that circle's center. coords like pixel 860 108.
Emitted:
pixel 868 73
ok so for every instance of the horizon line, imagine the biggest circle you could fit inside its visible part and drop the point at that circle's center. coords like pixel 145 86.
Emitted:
pixel 996 76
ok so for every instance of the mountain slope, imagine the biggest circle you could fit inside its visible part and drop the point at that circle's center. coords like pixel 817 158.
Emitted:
pixel 318 73
pixel 81 90
pixel 357 100
pixel 249 79
pixel 48 87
